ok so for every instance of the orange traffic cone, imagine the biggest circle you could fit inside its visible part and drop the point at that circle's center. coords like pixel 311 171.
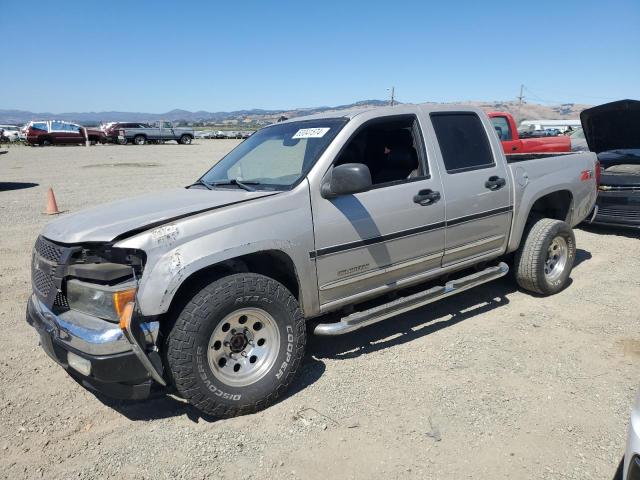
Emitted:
pixel 52 205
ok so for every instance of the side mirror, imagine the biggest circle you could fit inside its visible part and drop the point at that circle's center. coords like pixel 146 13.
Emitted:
pixel 346 179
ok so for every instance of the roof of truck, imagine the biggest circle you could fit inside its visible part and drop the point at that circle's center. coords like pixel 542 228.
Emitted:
pixel 399 109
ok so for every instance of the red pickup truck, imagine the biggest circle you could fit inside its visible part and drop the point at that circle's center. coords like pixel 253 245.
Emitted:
pixel 512 143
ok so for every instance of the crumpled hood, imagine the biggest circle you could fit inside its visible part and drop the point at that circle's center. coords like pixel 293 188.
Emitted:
pixel 122 218
pixel 612 126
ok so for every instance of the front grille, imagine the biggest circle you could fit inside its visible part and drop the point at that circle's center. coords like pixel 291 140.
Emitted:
pixel 42 282
pixel 629 214
pixel 47 258
pixel 61 301
pixel 48 250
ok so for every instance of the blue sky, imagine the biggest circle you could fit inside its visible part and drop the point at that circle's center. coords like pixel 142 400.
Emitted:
pixel 155 56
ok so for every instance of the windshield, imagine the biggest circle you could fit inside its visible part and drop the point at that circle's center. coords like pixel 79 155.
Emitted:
pixel 579 133
pixel 276 157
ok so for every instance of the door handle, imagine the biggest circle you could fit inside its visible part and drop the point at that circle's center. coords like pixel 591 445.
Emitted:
pixel 426 197
pixel 495 183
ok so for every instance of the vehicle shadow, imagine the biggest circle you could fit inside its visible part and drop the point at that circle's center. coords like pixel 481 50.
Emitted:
pixel 414 324
pixel 619 470
pixel 581 256
pixel 166 405
pixel 395 331
pixel 8 186
pixel 610 230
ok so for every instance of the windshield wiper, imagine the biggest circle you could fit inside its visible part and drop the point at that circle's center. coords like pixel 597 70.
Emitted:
pixel 242 184
pixel 200 182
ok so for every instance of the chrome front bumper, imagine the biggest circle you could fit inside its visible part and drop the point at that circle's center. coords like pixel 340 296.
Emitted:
pixel 84 333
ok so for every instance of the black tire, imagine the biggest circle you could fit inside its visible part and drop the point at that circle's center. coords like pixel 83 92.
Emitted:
pixel 139 140
pixel 45 142
pixel 535 267
pixel 189 347
pixel 185 139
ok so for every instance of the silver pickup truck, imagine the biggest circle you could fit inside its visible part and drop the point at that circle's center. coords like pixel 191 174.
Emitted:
pixel 162 132
pixel 361 215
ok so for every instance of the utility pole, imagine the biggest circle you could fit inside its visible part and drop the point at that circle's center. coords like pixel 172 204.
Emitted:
pixel 393 96
pixel 520 98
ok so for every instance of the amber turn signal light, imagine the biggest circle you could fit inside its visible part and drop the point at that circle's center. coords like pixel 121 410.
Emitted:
pixel 121 298
pixel 125 317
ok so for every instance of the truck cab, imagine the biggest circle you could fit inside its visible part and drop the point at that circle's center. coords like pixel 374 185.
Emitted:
pixel 512 143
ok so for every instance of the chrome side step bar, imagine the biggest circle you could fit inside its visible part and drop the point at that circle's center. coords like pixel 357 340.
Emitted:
pixel 376 314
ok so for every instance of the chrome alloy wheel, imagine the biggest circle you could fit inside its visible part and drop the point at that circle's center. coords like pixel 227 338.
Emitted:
pixel 557 255
pixel 243 347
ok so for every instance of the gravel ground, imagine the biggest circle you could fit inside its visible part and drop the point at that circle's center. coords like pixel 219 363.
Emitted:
pixel 493 383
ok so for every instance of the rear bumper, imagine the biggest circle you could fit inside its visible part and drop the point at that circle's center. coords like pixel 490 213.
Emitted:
pixel 115 370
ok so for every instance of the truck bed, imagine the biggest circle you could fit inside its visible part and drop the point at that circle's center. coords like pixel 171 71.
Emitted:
pixel 522 157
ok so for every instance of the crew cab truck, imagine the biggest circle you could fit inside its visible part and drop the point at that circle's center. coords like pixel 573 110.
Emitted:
pixel 361 215
pixel 162 132
pixel 512 143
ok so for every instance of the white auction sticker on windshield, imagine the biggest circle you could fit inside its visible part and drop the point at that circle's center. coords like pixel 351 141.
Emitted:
pixel 311 132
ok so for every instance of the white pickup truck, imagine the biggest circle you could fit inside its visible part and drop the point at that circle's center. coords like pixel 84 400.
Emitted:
pixel 364 215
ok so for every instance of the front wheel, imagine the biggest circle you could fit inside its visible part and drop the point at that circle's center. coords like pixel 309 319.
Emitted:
pixel 545 258
pixel 139 140
pixel 185 139
pixel 236 345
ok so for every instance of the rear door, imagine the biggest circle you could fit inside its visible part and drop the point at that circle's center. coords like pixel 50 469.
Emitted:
pixel 478 197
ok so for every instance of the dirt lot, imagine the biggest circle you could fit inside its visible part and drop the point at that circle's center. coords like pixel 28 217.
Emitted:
pixel 491 384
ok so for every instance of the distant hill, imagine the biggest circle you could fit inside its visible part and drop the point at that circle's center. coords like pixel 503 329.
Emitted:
pixel 263 117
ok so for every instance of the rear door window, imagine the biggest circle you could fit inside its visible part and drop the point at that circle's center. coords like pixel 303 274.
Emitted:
pixel 502 128
pixel 463 141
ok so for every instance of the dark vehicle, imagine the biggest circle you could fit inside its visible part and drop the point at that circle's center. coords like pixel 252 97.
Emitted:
pixel 612 131
pixel 57 132
pixel 111 129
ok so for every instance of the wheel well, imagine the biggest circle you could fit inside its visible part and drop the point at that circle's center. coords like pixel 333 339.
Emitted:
pixel 553 205
pixel 270 263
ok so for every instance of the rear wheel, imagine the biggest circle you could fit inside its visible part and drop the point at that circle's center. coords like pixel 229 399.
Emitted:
pixel 139 140
pixel 545 259
pixel 236 345
pixel 185 139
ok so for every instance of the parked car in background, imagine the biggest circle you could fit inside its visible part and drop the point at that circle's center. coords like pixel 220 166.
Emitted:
pixel 162 132
pixel 10 133
pixel 204 134
pixel 612 131
pixel 578 142
pixel 111 129
pixel 505 127
pixel 58 132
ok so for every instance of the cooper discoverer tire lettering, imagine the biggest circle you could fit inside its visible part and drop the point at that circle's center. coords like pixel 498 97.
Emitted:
pixel 545 259
pixel 236 345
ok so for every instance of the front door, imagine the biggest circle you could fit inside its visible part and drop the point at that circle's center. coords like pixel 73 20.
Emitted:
pixel 479 208
pixel 371 241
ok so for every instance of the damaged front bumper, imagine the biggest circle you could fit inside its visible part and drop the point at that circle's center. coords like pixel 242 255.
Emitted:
pixel 109 361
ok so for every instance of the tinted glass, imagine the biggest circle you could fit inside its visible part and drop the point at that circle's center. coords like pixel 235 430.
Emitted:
pixel 502 128
pixel 463 141
pixel 40 126
pixel 278 156
pixel 57 126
